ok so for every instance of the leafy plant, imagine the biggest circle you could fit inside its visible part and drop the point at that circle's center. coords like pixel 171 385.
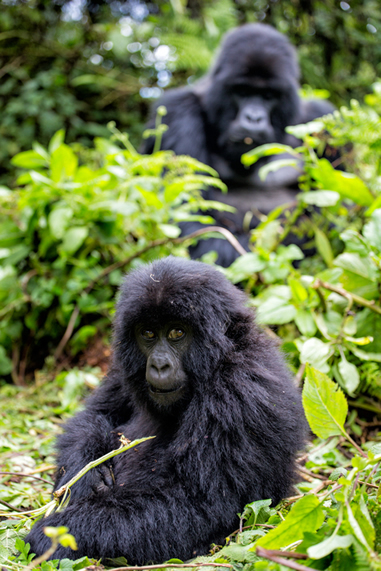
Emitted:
pixel 70 230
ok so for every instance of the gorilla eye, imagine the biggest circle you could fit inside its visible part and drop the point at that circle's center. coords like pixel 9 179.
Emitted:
pixel 148 334
pixel 175 334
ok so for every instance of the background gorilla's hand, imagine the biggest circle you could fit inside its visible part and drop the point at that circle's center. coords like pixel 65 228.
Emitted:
pixel 247 99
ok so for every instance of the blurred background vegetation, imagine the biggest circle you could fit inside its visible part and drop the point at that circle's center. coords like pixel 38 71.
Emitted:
pixel 77 64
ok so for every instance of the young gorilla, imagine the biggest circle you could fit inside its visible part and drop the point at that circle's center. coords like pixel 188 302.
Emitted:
pixel 191 368
pixel 247 99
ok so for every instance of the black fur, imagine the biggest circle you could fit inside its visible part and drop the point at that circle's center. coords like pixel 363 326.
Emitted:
pixel 206 122
pixel 230 440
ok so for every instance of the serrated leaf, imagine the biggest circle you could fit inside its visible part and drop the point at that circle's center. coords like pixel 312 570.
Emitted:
pixel 275 311
pixel 306 515
pixel 324 404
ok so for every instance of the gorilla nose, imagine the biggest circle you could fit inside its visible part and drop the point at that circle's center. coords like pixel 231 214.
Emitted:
pixel 254 118
pixel 159 372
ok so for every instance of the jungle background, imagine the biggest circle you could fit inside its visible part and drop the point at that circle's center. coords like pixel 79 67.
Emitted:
pixel 79 206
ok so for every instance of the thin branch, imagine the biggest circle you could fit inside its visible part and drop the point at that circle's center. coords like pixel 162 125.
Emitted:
pixel 25 476
pixel 4 503
pixel 70 326
pixel 348 295
pixel 272 555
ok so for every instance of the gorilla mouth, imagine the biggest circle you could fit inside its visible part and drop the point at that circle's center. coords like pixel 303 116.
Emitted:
pixel 158 391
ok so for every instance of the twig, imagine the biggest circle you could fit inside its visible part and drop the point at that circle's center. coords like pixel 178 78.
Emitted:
pixel 70 327
pixel 273 555
pixel 4 503
pixel 25 476
pixel 348 295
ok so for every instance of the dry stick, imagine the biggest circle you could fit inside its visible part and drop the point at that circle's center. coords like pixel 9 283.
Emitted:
pixel 348 295
pixel 70 327
pixel 25 476
pixel 4 503
pixel 272 555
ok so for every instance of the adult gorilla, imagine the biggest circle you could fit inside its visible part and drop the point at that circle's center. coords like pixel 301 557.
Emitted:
pixel 191 368
pixel 247 99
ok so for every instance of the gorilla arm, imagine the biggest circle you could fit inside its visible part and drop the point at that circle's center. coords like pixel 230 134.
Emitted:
pixel 186 132
pixel 88 436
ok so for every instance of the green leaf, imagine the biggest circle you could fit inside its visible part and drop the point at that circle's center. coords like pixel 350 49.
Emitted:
pixel 275 311
pixel 326 547
pixel 245 267
pixel 265 151
pixel 73 239
pixel 57 140
pixel 29 160
pixel 170 230
pixel 350 376
pixel 305 322
pixel 319 197
pixel 323 246
pixel 324 403
pixel 58 221
pixel 63 163
pixel 306 515
pixel 317 353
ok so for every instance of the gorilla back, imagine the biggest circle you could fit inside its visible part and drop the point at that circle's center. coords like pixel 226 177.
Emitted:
pixel 247 99
pixel 191 368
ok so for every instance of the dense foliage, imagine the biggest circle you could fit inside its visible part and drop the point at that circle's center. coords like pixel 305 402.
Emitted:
pixel 77 65
pixel 82 213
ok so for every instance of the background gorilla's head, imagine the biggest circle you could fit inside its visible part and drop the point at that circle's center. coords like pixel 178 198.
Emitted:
pixel 250 94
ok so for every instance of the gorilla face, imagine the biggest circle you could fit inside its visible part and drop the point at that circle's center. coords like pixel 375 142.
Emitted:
pixel 164 347
pixel 252 124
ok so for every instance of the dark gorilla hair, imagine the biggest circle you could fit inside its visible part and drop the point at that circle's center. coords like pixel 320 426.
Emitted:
pixel 247 99
pixel 226 433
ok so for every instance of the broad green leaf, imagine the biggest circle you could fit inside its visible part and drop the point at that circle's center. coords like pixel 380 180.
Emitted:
pixel 58 221
pixel 63 163
pixel 328 545
pixel 301 131
pixel 323 246
pixel 306 515
pixel 57 140
pixel 29 160
pixel 346 184
pixel 265 151
pixel 73 239
pixel 170 230
pixel 305 322
pixel 317 353
pixel 299 292
pixel 364 355
pixel 372 230
pixel 245 267
pixel 349 375
pixel 273 166
pixel 319 197
pixel 356 527
pixel 324 404
pixel 275 311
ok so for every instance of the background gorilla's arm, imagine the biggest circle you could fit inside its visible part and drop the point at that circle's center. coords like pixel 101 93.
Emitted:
pixel 185 134
pixel 88 436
